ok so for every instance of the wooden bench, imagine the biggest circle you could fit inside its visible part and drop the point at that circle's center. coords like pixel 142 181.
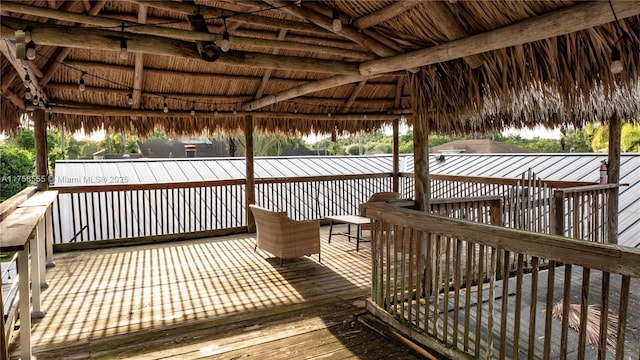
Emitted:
pixel 24 230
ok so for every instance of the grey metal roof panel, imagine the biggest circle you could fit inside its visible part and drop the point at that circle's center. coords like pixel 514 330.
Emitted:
pixel 575 167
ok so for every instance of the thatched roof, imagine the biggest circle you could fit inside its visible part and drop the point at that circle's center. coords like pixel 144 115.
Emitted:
pixel 474 65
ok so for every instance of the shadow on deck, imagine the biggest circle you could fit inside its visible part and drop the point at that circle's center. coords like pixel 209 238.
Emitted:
pixel 214 298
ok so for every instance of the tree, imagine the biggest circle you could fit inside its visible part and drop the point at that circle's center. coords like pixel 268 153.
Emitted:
pixel 630 137
pixel 131 143
pixel 16 169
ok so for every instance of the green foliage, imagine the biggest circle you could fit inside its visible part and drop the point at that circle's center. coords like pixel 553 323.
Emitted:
pixel 16 168
pixel 131 143
pixel 266 145
pixel 630 134
pixel 378 143
pixel 354 149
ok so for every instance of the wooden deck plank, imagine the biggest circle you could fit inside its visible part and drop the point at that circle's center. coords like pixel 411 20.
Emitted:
pixel 180 299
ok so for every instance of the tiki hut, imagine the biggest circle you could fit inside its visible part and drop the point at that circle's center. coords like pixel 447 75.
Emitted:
pixel 325 67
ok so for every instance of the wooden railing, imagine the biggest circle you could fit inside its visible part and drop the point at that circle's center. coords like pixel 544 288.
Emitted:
pixel 438 280
pixel 581 212
pixel 125 211
pixel 205 208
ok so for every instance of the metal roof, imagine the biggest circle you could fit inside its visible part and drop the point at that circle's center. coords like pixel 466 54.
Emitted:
pixel 574 167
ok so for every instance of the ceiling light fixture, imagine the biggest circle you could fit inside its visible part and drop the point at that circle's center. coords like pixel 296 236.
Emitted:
pixel 28 95
pixel 193 109
pixel 165 106
pixel 81 86
pixel 130 99
pixel 124 51
pixel 224 45
pixel 31 50
pixel 616 63
pixel 336 25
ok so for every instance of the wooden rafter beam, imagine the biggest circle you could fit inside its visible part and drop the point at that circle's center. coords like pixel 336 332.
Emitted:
pixel 208 50
pixel 382 15
pixel 267 73
pixel 15 99
pixel 556 23
pixel 209 12
pixel 197 75
pixel 8 49
pixel 398 98
pixel 110 40
pixel 134 26
pixel 138 71
pixel 326 23
pixel 226 99
pixel 354 95
pixel 448 24
pixel 101 111
pixel 320 8
pixel 62 53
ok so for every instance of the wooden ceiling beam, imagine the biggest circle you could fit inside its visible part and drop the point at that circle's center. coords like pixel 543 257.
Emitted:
pixel 326 23
pixel 134 26
pixel 82 65
pixel 384 14
pixel 15 99
pixel 354 95
pixel 228 99
pixel 102 111
pixel 556 23
pixel 370 33
pixel 138 71
pixel 209 12
pixel 110 41
pixel 208 50
pixel 268 72
pixel 62 53
pixel 8 49
pixel 448 24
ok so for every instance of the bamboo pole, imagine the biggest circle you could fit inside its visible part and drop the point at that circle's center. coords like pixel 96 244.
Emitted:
pixel 613 175
pixel 386 13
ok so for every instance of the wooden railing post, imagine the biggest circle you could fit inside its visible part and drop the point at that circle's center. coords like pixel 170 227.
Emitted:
pixel 557 213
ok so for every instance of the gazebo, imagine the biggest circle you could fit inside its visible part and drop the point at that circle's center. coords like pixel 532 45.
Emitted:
pixel 337 67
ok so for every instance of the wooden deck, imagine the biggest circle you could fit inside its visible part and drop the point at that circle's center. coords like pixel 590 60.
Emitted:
pixel 210 298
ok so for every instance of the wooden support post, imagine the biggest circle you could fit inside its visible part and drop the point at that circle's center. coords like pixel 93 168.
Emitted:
pixel 250 181
pixel 24 303
pixel 421 153
pixel 4 346
pixel 48 217
pixel 36 283
pixel 615 128
pixel 41 240
pixel 40 134
pixel 396 155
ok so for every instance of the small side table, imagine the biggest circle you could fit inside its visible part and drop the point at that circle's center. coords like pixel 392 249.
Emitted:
pixel 349 220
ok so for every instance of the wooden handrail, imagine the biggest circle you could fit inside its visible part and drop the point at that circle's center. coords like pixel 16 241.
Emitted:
pixel 605 257
pixel 206 183
pixel 582 189
pixel 509 181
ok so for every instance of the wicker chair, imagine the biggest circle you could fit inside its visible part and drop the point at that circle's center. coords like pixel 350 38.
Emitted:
pixel 283 237
pixel 379 197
